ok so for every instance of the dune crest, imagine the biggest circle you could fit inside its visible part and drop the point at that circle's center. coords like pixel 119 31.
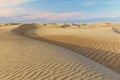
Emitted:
pixel 22 29
pixel 99 44
pixel 116 29
pixel 28 59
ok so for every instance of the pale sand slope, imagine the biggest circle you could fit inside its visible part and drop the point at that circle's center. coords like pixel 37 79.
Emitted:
pixel 100 44
pixel 27 59
pixel 116 29
pixel 101 24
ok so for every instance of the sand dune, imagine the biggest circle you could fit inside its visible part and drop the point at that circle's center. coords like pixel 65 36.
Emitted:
pixel 51 26
pixel 100 44
pixel 26 27
pixel 23 28
pixel 28 59
pixel 102 24
pixel 116 29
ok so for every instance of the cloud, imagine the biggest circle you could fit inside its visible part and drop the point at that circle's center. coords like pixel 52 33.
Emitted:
pixel 54 16
pixel 25 15
pixel 6 13
pixel 21 14
pixel 12 2
pixel 12 12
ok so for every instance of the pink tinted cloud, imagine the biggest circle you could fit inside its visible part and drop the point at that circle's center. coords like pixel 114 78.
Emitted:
pixel 12 2
pixel 55 16
pixel 23 14
pixel 12 12
pixel 6 13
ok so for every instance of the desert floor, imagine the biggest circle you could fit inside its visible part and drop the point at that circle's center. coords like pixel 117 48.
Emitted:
pixel 30 52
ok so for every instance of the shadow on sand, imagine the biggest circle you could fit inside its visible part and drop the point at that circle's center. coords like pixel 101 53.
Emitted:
pixel 115 29
pixel 106 58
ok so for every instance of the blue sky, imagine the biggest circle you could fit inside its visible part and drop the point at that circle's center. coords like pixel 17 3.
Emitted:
pixel 47 11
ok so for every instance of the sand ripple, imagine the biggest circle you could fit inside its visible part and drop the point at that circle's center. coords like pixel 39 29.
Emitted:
pixel 100 45
pixel 27 59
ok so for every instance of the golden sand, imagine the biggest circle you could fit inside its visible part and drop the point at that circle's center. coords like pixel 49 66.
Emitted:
pixel 101 44
pixel 22 58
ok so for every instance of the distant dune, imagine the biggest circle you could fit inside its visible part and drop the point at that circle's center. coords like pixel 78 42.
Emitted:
pixel 102 24
pixel 22 29
pixel 22 57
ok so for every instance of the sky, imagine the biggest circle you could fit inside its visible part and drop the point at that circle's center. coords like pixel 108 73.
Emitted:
pixel 60 11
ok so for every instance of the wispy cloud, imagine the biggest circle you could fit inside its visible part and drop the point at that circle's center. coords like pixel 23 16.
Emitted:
pixel 54 16
pixel 12 12
pixel 12 2
pixel 6 13
pixel 19 12
pixel 12 8
pixel 23 14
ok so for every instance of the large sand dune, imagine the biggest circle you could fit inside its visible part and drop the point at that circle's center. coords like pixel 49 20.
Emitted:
pixel 100 44
pixel 27 59
pixel 22 58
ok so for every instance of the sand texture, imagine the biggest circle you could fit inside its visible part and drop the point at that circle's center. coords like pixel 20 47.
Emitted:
pixel 23 58
pixel 100 44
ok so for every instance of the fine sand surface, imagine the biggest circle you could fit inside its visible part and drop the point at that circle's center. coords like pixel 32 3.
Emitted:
pixel 99 44
pixel 22 58
pixel 116 29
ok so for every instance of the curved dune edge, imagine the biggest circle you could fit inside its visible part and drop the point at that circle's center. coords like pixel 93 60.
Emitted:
pixel 45 61
pixel 116 29
pixel 100 49
pixel 22 29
